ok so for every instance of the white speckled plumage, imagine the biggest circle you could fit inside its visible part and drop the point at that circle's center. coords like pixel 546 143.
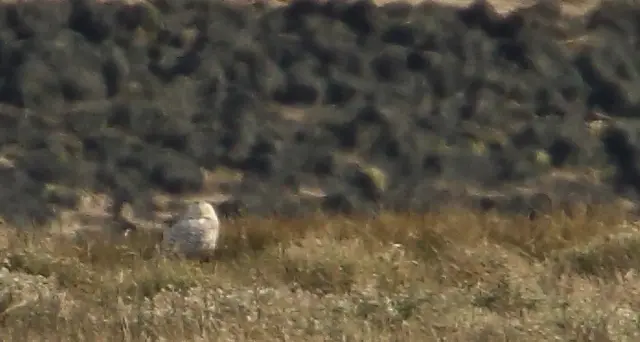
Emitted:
pixel 196 233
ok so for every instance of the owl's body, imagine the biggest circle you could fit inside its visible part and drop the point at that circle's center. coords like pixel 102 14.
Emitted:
pixel 196 233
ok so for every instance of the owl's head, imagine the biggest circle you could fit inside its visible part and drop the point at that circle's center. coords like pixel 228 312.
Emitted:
pixel 200 209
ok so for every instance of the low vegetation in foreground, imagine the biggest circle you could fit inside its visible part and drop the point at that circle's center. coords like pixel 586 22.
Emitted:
pixel 451 276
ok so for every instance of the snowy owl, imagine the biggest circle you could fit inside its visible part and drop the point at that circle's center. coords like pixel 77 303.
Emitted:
pixel 196 233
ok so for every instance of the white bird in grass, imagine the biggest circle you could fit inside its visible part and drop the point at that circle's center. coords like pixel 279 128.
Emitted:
pixel 196 233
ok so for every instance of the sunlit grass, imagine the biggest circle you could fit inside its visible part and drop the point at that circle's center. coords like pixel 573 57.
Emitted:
pixel 457 275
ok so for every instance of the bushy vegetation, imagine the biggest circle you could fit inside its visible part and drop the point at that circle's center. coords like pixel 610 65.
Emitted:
pixel 402 106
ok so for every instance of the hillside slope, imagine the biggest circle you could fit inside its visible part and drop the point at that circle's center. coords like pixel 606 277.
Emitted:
pixel 341 107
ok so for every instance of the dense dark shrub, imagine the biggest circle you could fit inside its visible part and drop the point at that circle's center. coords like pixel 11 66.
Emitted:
pixel 338 203
pixel 445 104
pixel 46 166
pixel 176 174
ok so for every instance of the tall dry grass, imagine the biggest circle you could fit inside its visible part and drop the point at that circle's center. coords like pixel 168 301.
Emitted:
pixel 454 276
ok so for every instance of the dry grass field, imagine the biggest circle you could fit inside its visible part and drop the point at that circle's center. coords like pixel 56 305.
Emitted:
pixel 451 276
